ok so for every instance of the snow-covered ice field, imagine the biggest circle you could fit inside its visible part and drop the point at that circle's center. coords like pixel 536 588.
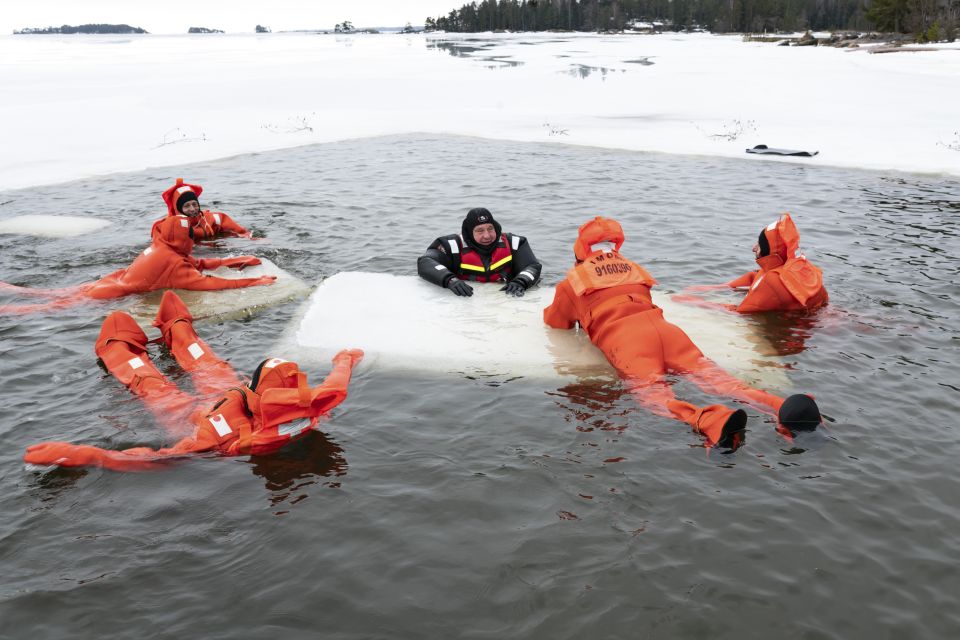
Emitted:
pixel 76 106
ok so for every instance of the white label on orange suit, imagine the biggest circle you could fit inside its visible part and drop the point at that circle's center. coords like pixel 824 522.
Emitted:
pixel 195 351
pixel 220 424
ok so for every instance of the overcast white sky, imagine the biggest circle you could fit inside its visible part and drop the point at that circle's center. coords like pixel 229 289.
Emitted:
pixel 176 16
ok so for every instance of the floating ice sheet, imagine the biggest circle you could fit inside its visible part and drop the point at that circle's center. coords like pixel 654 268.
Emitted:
pixel 51 226
pixel 229 303
pixel 403 322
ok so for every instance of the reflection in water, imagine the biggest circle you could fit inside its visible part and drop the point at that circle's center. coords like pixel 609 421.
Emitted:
pixel 460 50
pixel 785 333
pixel 501 62
pixel 285 473
pixel 457 48
pixel 584 71
pixel 299 465
pixel 591 402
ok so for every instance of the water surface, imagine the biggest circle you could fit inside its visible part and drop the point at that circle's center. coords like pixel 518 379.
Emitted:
pixel 441 506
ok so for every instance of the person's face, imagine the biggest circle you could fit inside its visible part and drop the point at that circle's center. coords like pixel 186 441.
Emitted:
pixel 756 250
pixel 191 209
pixel 484 234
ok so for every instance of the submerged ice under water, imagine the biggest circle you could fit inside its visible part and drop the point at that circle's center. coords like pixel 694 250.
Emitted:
pixel 443 505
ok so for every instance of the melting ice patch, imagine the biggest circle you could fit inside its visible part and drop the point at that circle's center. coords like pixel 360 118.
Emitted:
pixel 51 226
pixel 403 322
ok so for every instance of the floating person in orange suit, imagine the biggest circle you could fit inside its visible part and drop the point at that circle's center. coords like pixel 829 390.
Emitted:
pixel 610 297
pixel 226 417
pixel 184 199
pixel 165 264
pixel 785 280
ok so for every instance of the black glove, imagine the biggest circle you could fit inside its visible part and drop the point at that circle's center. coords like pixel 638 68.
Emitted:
pixel 514 289
pixel 460 287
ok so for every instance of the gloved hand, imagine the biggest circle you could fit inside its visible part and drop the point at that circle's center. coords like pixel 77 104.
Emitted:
pixel 460 287
pixel 265 280
pixel 348 356
pixel 514 289
pixel 63 454
pixel 239 262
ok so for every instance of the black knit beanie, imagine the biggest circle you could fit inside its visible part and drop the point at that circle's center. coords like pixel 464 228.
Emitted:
pixel 184 198
pixel 474 218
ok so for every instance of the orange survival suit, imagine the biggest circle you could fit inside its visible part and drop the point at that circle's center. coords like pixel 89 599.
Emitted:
pixel 785 281
pixel 610 297
pixel 225 417
pixel 208 224
pixel 165 264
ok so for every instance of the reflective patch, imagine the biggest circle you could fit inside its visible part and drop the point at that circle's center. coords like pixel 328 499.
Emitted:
pixel 184 189
pixel 135 363
pixel 216 218
pixel 606 247
pixel 148 251
pixel 772 225
pixel 195 350
pixel 440 267
pixel 756 282
pixel 184 223
pixel 515 241
pixel 220 424
pixel 272 362
pixel 453 246
pixel 294 428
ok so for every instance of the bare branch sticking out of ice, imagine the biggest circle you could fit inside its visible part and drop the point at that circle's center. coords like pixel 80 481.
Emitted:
pixel 730 131
pixel 294 124
pixel 178 135
pixel 554 130
pixel 953 145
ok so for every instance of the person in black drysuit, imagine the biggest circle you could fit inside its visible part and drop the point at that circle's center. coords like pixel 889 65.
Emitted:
pixel 482 253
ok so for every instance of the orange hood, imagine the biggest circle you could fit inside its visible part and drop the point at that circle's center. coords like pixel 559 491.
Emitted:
pixel 594 231
pixel 171 195
pixel 285 395
pixel 782 237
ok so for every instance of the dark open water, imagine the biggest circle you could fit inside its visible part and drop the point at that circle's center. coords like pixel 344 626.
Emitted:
pixel 441 507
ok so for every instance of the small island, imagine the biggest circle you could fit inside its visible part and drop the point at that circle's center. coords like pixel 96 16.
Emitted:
pixel 203 30
pixel 84 28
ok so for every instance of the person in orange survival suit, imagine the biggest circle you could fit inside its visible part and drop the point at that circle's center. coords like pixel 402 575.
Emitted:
pixel 483 253
pixel 165 264
pixel 785 281
pixel 610 297
pixel 184 199
pixel 273 409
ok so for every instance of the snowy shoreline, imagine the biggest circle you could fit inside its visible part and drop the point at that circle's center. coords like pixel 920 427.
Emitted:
pixel 82 106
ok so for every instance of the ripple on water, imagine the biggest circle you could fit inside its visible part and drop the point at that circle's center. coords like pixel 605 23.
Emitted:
pixel 442 506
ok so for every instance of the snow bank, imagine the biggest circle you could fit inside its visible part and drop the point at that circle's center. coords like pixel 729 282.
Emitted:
pixel 80 106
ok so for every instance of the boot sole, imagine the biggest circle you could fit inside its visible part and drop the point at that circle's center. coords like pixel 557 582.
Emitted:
pixel 735 424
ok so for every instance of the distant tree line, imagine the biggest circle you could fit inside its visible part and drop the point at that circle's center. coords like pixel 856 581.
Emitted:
pixel 929 19
pixel 84 28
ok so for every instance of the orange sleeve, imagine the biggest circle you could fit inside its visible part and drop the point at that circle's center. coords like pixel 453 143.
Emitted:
pixel 208 264
pixel 64 454
pixel 746 280
pixel 562 312
pixel 187 277
pixel 230 227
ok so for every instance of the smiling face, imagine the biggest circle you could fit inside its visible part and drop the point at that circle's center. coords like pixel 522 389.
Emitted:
pixel 191 209
pixel 484 234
